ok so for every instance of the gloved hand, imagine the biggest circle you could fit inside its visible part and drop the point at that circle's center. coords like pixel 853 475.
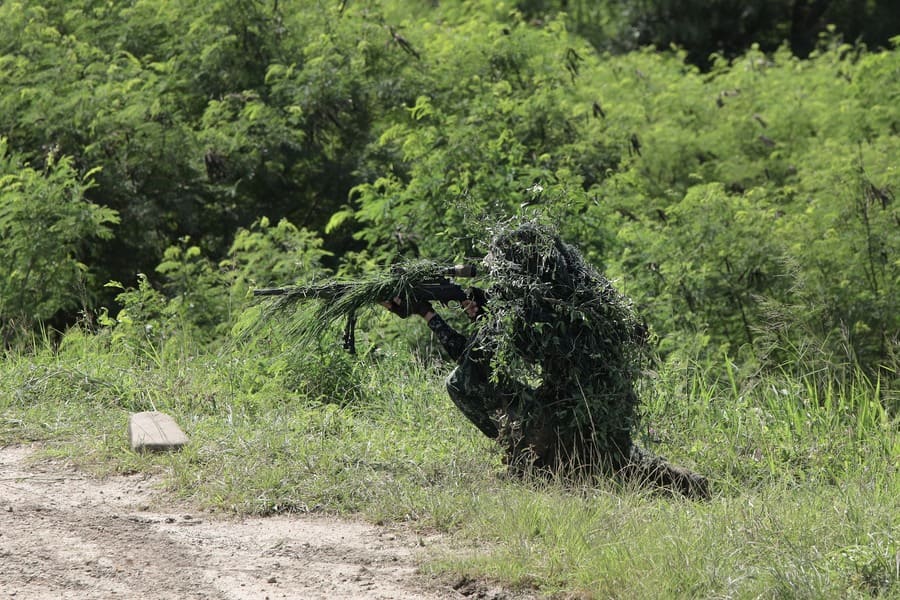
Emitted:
pixel 402 309
pixel 474 306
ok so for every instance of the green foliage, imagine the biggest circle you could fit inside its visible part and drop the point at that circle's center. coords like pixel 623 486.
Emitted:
pixel 749 207
pixel 202 116
pixel 774 247
pixel 200 301
pixel 703 194
pixel 46 228
pixel 708 264
pixel 142 317
pixel 264 255
pixel 495 131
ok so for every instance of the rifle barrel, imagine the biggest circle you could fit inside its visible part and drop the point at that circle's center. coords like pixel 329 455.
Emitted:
pixel 270 292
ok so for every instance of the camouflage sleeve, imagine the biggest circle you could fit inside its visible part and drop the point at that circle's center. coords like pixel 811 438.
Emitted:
pixel 452 341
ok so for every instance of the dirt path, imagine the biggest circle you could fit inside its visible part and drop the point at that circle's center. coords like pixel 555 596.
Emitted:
pixel 64 534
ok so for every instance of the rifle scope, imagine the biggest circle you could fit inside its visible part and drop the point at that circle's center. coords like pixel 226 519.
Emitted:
pixel 460 271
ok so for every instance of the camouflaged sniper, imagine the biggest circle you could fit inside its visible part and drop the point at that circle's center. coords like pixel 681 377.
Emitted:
pixel 552 366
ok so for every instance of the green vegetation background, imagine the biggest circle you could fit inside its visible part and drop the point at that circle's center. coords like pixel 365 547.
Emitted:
pixel 158 160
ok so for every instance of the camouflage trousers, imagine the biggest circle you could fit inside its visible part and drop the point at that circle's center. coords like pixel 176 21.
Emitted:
pixel 512 416
pixel 474 395
pixel 533 444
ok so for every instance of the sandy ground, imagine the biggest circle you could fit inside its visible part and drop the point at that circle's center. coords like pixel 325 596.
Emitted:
pixel 64 534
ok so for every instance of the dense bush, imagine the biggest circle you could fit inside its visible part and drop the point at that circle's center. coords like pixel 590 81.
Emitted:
pixel 47 226
pixel 747 208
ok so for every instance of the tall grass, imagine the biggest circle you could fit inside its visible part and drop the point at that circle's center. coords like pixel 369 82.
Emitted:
pixel 804 471
pixel 807 502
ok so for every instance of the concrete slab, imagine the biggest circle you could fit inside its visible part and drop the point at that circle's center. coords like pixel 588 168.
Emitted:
pixel 154 432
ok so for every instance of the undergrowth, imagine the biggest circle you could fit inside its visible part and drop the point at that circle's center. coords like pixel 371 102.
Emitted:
pixel 805 485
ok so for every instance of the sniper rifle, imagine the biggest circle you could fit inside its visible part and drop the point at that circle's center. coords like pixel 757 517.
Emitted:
pixel 412 289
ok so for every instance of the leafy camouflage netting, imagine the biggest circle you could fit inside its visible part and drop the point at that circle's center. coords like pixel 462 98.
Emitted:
pixel 309 311
pixel 558 329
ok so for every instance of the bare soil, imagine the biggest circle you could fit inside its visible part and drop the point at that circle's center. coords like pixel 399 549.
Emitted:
pixel 66 534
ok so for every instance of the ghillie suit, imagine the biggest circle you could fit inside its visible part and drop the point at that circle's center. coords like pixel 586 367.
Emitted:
pixel 552 368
